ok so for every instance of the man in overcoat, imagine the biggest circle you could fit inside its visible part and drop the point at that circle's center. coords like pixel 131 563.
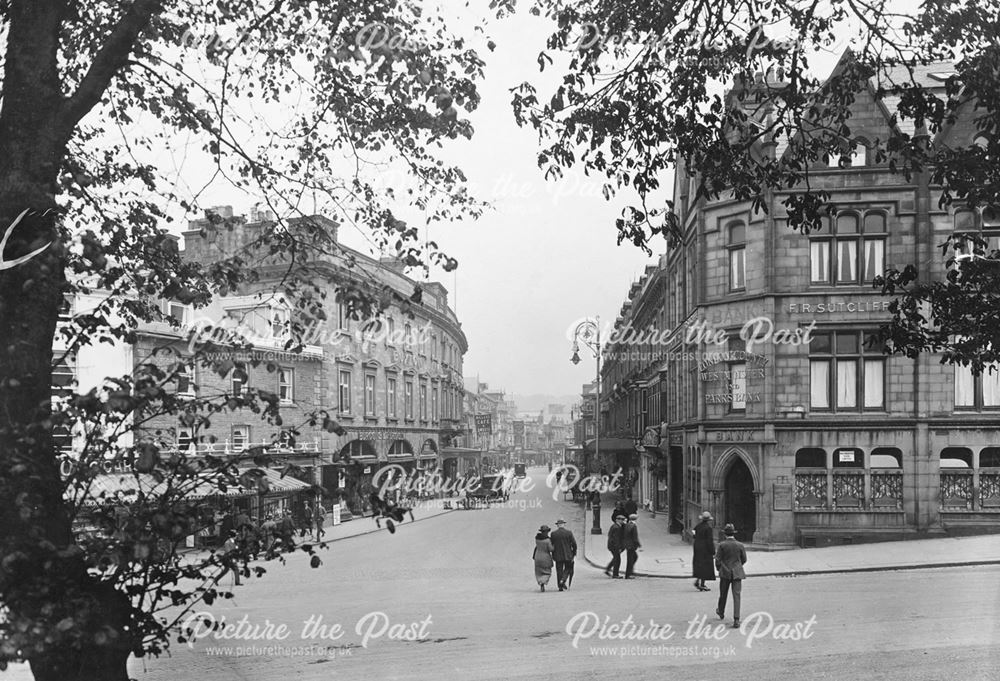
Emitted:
pixel 563 553
pixel 616 535
pixel 630 542
pixel 729 560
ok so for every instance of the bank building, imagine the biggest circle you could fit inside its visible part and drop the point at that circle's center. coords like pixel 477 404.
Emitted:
pixel 821 442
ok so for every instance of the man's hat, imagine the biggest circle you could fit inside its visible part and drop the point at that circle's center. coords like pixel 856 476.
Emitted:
pixel 729 530
pixel 560 522
pixel 634 516
pixel 705 515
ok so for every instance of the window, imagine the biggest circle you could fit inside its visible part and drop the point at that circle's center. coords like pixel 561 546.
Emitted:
pixel 342 317
pixel 736 236
pixel 238 380
pixel 263 322
pixel 175 313
pixel 434 404
pixel 184 379
pixel 286 385
pixel 434 346
pixel 407 333
pixel 390 397
pixel 852 253
pixel 843 374
pixel 185 439
pixel 846 483
pixel 280 323
pixel 391 330
pixel 857 157
pixel 423 401
pixel 369 394
pixel 345 391
pixel 408 399
pixel 240 437
pixel 957 478
pixel 977 392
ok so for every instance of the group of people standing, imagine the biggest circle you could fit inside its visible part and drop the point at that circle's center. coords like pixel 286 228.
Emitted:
pixel 728 558
pixel 557 549
pixel 623 535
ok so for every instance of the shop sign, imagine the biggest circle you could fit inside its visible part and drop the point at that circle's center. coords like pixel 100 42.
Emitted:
pixel 845 455
pixel 859 306
pixel 368 469
pixel 336 514
pixel 734 435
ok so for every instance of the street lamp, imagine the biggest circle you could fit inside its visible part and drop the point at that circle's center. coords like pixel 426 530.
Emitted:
pixel 589 332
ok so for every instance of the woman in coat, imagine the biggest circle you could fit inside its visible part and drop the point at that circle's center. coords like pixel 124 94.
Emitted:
pixel 543 556
pixel 704 553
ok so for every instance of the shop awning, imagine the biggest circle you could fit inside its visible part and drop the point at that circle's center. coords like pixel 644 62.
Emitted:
pixel 128 486
pixel 280 484
pixel 612 445
pixel 429 455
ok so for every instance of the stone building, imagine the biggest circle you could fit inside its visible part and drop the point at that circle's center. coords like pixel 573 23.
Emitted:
pixel 777 415
pixel 393 383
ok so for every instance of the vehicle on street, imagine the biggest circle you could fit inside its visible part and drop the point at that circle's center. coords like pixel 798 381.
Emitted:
pixel 519 470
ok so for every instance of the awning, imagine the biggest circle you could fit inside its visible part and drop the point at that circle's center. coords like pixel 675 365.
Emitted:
pixel 127 487
pixel 461 451
pixel 429 455
pixel 611 445
pixel 280 484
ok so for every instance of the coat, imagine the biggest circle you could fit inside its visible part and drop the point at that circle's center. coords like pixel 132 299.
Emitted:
pixel 542 555
pixel 704 551
pixel 630 537
pixel 729 559
pixel 563 545
pixel 631 507
pixel 616 533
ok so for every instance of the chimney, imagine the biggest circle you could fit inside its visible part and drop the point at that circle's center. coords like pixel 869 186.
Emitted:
pixel 223 211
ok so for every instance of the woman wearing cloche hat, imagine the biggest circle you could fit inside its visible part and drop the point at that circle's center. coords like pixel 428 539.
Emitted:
pixel 702 564
pixel 543 556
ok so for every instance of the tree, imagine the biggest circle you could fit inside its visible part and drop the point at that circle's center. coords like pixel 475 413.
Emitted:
pixel 709 88
pixel 92 94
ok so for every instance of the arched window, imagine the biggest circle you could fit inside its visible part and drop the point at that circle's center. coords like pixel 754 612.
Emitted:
pixel 989 457
pixel 810 457
pixel 886 457
pixel 956 457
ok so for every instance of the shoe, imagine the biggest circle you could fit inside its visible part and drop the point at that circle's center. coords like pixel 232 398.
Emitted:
pixel 703 588
pixel 617 577
pixel 736 624
pixel 721 615
pixel 629 577
pixel 697 585
pixel 542 587
pixel 607 572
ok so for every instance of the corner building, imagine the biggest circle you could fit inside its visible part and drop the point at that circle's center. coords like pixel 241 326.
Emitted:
pixel 830 441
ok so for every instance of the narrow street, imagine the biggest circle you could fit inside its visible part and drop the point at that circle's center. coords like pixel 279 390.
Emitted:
pixel 470 572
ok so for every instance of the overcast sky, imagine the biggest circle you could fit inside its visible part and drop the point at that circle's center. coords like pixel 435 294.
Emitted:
pixel 545 257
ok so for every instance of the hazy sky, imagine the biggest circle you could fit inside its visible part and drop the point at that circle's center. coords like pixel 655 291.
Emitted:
pixel 545 257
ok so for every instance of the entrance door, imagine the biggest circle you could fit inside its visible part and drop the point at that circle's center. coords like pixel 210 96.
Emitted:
pixel 676 489
pixel 741 504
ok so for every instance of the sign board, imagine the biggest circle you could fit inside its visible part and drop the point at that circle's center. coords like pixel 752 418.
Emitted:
pixel 336 514
pixel 484 423
pixel 368 469
pixel 782 497
pixel 845 455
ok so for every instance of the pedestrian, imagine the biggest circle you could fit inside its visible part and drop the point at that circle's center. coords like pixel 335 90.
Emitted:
pixel 563 553
pixel 630 542
pixel 230 549
pixel 729 560
pixel 269 528
pixel 615 539
pixel 704 551
pixel 618 510
pixel 286 530
pixel 319 518
pixel 630 507
pixel 542 555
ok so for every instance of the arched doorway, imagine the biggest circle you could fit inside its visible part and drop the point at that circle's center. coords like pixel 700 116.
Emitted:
pixel 741 502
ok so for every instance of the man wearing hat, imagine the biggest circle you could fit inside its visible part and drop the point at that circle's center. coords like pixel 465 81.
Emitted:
pixel 729 560
pixel 630 542
pixel 563 553
pixel 704 551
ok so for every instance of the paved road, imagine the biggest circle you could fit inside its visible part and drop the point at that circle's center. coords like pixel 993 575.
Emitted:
pixel 470 572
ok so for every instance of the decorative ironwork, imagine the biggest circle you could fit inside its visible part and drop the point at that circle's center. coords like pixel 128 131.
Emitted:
pixel 956 490
pixel 848 490
pixel 810 490
pixel 887 490
pixel 989 489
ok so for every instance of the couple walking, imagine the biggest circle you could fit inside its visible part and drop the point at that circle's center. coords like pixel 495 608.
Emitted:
pixel 558 549
pixel 623 535
pixel 728 559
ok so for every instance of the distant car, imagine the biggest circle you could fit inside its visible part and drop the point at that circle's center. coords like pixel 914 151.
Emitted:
pixel 519 471
pixel 490 489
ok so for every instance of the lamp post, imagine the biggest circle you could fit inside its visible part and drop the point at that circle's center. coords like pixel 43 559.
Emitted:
pixel 589 332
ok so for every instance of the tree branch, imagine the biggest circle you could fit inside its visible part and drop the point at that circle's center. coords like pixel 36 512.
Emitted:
pixel 109 61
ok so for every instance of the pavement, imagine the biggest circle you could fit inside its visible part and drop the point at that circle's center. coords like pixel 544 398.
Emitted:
pixel 667 555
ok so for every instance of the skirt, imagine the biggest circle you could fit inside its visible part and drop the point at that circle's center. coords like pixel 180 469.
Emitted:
pixel 543 573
